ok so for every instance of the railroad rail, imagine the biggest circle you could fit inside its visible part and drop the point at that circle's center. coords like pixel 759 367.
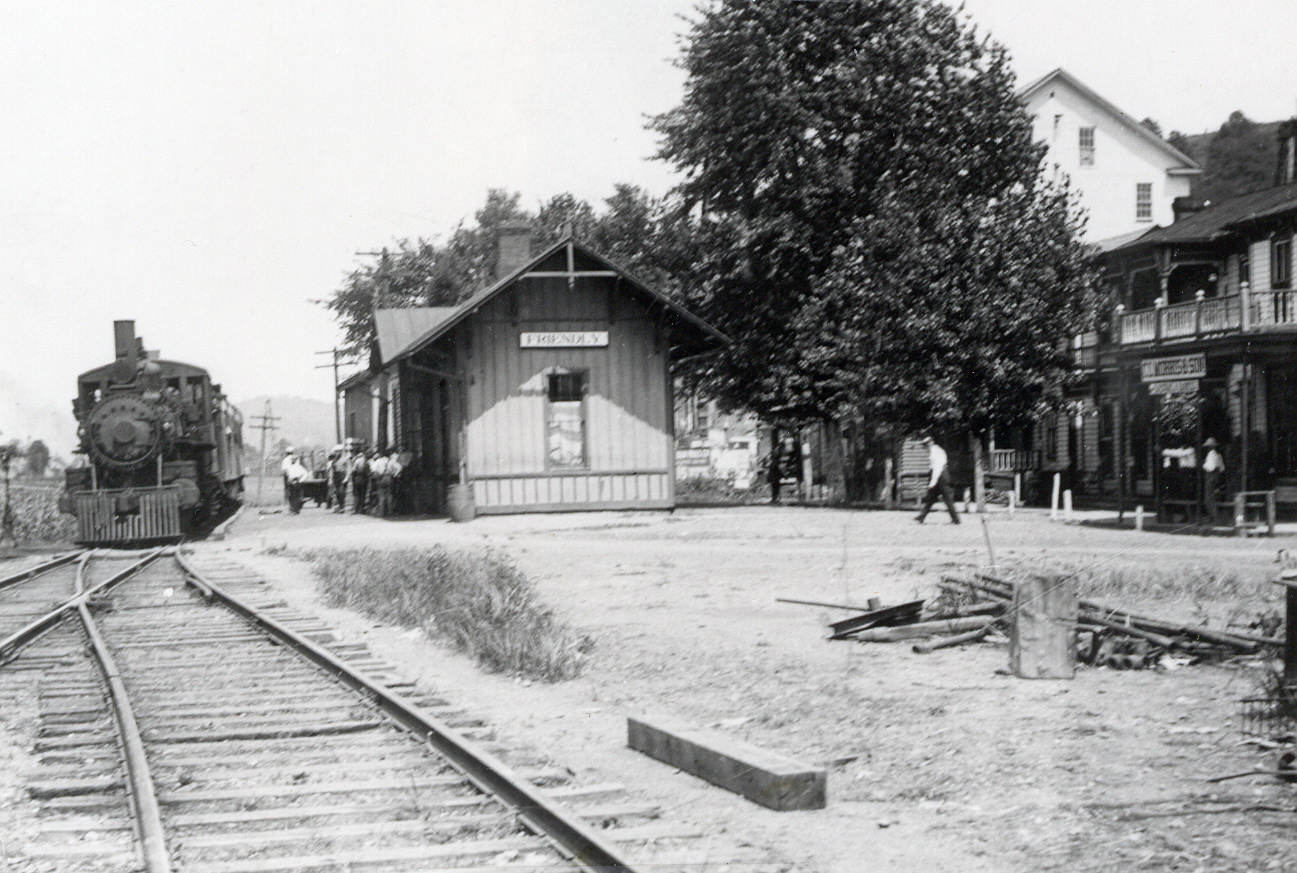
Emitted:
pixel 190 723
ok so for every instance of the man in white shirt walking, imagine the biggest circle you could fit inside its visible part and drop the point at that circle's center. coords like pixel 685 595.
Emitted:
pixel 938 482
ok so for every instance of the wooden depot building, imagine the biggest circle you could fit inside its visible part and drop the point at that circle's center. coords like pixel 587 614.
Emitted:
pixel 550 390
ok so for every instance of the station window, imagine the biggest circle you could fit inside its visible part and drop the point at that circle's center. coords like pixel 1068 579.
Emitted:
pixel 1087 146
pixel 565 425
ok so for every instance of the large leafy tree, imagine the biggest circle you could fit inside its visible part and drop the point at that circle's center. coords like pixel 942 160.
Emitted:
pixel 874 234
pixel 38 458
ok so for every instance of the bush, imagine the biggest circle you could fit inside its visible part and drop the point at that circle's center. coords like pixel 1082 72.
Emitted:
pixel 36 516
pixel 477 601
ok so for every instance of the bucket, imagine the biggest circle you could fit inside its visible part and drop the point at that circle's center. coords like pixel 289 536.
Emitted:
pixel 461 503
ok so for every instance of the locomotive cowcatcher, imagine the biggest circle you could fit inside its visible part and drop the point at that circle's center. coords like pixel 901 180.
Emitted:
pixel 163 449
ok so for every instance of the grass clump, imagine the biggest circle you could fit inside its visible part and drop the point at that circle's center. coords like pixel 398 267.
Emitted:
pixel 477 601
pixel 1154 582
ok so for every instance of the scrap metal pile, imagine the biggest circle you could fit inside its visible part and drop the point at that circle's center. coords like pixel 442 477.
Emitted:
pixel 968 610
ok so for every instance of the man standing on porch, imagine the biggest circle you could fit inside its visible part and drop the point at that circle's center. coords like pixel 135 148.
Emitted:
pixel 938 482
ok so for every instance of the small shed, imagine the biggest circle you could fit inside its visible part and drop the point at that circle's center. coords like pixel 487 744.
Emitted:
pixel 549 390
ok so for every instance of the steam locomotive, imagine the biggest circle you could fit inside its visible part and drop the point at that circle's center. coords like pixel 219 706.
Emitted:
pixel 163 449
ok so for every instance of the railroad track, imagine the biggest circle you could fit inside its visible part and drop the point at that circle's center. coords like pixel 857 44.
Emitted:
pixel 187 722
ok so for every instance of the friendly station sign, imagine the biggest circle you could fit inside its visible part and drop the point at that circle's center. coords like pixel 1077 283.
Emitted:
pixel 569 339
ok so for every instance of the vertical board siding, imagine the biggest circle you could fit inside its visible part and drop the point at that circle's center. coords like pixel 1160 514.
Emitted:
pixel 648 490
pixel 627 420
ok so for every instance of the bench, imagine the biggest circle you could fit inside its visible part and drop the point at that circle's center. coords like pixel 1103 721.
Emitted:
pixel 1249 511
pixel 1252 510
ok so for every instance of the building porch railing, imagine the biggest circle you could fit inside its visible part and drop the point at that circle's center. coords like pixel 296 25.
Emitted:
pixel 1209 317
pixel 1011 460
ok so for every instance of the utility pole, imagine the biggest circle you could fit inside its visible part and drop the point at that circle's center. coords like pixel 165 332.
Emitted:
pixel 8 540
pixel 264 422
pixel 340 356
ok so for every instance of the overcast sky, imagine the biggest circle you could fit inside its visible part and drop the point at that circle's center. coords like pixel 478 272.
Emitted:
pixel 209 169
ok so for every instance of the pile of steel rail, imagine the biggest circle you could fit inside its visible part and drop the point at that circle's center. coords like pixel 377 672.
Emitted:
pixel 969 610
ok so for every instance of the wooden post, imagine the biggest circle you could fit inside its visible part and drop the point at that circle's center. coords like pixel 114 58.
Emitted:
pixel 1042 637
pixel 1067 505
pixel 1139 517
pixel 1288 579
pixel 1269 514
pixel 979 472
pixel 1240 514
pixel 1053 500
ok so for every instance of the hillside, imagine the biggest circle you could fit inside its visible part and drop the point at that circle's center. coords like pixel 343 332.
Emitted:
pixel 302 422
pixel 1237 159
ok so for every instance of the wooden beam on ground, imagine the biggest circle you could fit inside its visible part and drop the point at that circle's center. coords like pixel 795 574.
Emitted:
pixel 924 629
pixel 767 778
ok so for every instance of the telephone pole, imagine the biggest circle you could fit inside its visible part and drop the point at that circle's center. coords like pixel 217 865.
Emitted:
pixel 340 356
pixel 8 540
pixel 264 422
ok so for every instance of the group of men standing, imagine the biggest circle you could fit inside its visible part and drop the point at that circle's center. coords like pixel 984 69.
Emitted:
pixel 369 479
pixel 365 480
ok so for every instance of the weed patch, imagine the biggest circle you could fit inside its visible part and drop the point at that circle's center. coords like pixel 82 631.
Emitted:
pixel 36 516
pixel 1150 582
pixel 477 601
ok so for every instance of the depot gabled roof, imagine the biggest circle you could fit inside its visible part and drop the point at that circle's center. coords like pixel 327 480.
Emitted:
pixel 398 329
pixel 402 332
pixel 1188 165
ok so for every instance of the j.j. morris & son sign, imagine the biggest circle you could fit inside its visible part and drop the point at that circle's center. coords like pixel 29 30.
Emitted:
pixel 1166 369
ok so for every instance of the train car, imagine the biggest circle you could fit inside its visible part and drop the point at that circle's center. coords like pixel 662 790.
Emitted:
pixel 163 449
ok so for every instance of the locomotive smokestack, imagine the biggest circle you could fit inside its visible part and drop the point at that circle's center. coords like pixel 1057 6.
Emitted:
pixel 124 341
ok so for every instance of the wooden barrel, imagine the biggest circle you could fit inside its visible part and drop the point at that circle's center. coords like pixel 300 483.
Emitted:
pixel 460 500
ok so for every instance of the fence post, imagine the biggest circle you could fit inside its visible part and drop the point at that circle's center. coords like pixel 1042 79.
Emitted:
pixel 1139 518
pixel 1240 514
pixel 1269 512
pixel 1042 635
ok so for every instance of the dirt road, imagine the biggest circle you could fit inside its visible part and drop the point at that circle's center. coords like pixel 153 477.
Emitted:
pixel 936 762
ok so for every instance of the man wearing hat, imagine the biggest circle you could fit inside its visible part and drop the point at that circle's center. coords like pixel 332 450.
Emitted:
pixel 336 470
pixel 294 474
pixel 938 482
pixel 1213 465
